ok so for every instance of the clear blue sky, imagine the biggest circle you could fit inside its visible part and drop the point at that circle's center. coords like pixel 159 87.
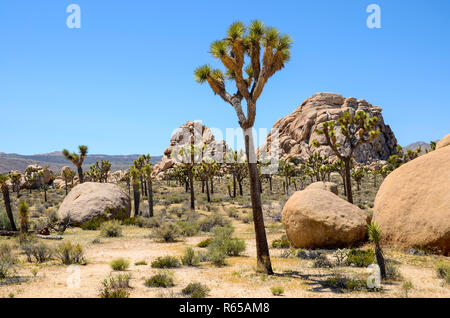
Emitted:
pixel 124 81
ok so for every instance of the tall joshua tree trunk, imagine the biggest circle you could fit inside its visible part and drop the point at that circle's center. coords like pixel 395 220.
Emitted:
pixel 207 191
pixel 191 187
pixel 150 198
pixel 263 263
pixel 348 180
pixel 137 198
pixel 212 185
pixel 80 174
pixel 7 201
pixel 380 260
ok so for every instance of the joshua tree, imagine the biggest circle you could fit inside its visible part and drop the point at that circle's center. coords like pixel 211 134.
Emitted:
pixel 6 199
pixel 15 178
pixel 67 175
pixel 98 172
pixel 77 159
pixel 357 175
pixel 375 237
pixel 23 216
pixel 238 168
pixel 188 156
pixel 357 129
pixel 287 170
pixel 317 166
pixel 135 180
pixel 259 41
pixel 147 171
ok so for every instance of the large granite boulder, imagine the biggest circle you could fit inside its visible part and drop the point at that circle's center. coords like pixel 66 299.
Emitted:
pixel 90 199
pixel 298 130
pixel 412 205
pixel 316 218
pixel 323 185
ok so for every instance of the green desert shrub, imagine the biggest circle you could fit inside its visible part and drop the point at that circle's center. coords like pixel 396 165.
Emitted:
pixel 140 263
pixel 345 284
pixel 283 242
pixel 39 252
pixel 277 290
pixel 148 223
pixel 116 287
pixel 232 212
pixel 93 224
pixel 322 262
pixel 111 229
pixel 195 290
pixel 160 280
pixel 205 242
pixel 208 223
pixel 168 232
pixel 120 264
pixel 361 258
pixel 190 258
pixel 8 260
pixel 392 272
pixel 69 253
pixel 188 228
pixel 223 239
pixel 443 271
pixel 166 262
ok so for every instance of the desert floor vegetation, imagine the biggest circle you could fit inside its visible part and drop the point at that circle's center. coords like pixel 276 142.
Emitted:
pixel 297 273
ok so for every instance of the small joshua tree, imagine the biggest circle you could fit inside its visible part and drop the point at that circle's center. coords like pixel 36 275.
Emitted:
pixel 77 159
pixel 357 175
pixel 267 51
pixel 375 237
pixel 287 170
pixel 147 171
pixel 357 129
pixel 15 178
pixel 7 200
pixel 24 216
pixel 135 175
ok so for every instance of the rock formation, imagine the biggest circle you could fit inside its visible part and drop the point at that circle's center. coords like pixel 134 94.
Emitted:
pixel 90 199
pixel 443 142
pixel 317 218
pixel 297 130
pixel 412 205
pixel 201 135
pixel 322 185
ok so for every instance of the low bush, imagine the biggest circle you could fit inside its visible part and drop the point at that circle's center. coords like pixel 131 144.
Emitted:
pixel 232 212
pixel 8 260
pixel 283 242
pixel 361 258
pixel 140 263
pixel 344 284
pixel 166 262
pixel 190 258
pixel 207 224
pixel 277 290
pixel 443 271
pixel 392 272
pixel 116 287
pixel 93 224
pixel 188 228
pixel 205 242
pixel 120 264
pixel 40 252
pixel 160 280
pixel 70 253
pixel 169 232
pixel 322 262
pixel 111 229
pixel 223 239
pixel 195 290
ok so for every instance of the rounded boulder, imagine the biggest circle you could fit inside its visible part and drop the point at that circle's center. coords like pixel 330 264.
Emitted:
pixel 90 199
pixel 316 218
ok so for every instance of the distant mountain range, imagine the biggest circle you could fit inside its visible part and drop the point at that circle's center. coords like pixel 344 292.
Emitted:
pixel 55 161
